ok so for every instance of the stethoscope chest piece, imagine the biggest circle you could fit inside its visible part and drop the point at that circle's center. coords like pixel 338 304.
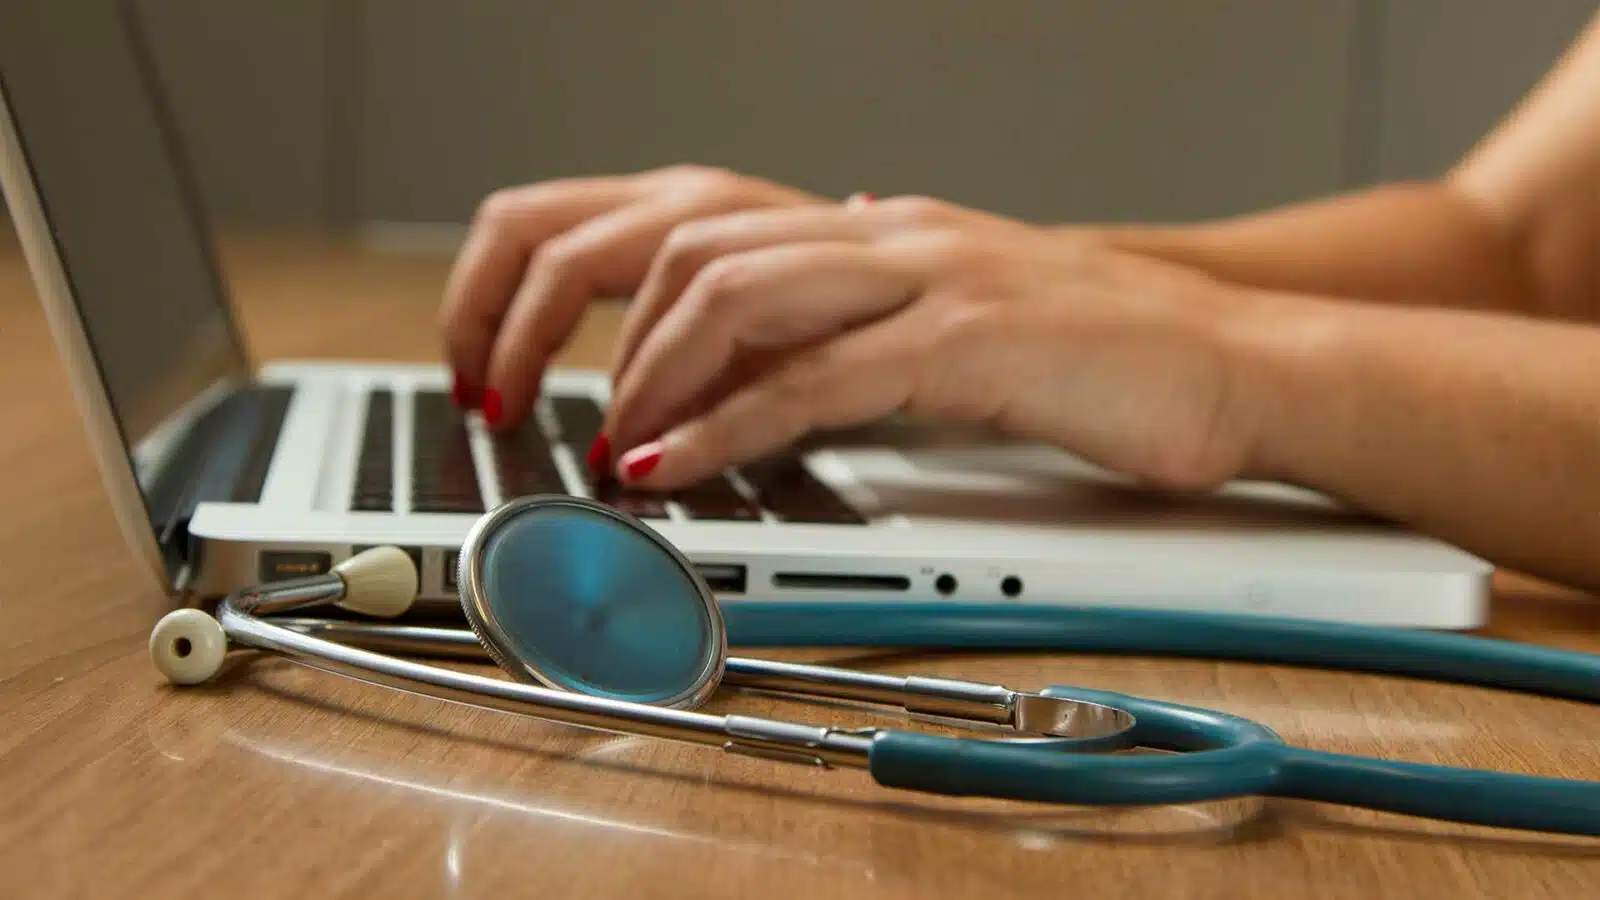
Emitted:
pixel 575 595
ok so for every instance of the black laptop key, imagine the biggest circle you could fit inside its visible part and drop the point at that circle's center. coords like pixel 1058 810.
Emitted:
pixel 787 489
pixel 446 502
pixel 524 463
pixel 373 501
pixel 444 478
pixel 644 504
pixel 832 512
pixel 579 420
pixel 716 499
pixel 374 487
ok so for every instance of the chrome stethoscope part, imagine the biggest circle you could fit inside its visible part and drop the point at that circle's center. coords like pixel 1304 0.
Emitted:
pixel 1084 725
pixel 603 625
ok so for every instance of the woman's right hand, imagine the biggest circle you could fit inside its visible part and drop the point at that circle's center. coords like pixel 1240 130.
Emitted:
pixel 537 255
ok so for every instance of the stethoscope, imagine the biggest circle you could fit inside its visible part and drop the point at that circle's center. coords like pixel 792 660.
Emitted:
pixel 602 623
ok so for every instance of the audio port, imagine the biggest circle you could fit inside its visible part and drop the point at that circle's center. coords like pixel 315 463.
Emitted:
pixel 1011 586
pixel 945 584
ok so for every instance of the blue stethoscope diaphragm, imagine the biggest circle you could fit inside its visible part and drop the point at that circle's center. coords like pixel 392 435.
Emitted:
pixel 575 595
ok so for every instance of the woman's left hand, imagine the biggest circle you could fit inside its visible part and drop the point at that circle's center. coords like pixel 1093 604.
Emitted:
pixel 756 328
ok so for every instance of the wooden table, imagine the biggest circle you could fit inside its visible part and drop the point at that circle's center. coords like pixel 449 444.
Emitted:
pixel 286 782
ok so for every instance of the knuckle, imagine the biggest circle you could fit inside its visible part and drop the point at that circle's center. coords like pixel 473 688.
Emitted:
pixel 684 171
pixel 559 257
pixel 949 250
pixel 698 180
pixel 917 208
pixel 719 286
pixel 686 248
pixel 500 207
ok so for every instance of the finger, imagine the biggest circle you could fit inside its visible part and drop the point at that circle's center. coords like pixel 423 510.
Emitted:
pixel 694 245
pixel 510 226
pixel 773 298
pixel 857 378
pixel 606 255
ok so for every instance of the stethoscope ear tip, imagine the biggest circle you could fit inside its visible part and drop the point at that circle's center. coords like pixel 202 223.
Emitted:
pixel 188 646
pixel 380 582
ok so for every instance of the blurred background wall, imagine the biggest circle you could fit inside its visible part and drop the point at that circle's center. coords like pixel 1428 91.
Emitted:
pixel 341 112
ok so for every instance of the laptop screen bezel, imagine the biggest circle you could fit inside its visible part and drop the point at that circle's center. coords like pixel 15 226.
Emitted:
pixel 30 212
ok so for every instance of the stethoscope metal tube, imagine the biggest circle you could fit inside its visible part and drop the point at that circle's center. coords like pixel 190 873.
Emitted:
pixel 1089 726
pixel 785 741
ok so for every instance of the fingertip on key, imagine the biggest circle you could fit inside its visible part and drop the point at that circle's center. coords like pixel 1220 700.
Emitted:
pixel 600 454
pixel 640 461
pixel 493 407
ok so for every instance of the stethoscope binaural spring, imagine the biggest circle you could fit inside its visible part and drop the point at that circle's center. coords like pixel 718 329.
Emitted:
pixel 601 623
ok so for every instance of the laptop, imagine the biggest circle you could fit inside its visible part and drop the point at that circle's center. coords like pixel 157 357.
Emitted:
pixel 224 472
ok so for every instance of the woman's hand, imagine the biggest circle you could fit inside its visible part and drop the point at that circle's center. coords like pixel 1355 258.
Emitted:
pixel 752 329
pixel 537 255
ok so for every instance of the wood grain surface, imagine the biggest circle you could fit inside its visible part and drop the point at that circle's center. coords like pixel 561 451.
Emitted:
pixel 285 782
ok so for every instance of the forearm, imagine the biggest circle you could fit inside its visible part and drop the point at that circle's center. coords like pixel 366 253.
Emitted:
pixel 1483 430
pixel 1418 244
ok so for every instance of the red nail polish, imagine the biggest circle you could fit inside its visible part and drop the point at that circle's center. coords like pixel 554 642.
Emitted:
pixel 600 454
pixel 492 408
pixel 640 461
pixel 463 394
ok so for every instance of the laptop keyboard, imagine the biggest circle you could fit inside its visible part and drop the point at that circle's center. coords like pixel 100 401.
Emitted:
pixel 444 475
pixel 374 488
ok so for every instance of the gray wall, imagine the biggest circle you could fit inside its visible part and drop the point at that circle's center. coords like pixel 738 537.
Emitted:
pixel 409 110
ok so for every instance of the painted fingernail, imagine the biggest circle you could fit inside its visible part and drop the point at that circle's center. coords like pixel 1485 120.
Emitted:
pixel 492 406
pixel 860 198
pixel 638 462
pixel 599 454
pixel 463 394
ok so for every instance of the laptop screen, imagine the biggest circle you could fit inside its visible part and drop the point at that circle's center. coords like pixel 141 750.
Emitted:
pixel 121 214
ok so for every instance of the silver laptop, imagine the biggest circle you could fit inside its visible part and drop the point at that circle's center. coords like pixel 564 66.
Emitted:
pixel 224 472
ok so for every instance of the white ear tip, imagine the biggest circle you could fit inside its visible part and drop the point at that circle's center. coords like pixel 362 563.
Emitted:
pixel 382 581
pixel 188 646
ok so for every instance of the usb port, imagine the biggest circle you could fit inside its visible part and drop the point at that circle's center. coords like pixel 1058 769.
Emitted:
pixel 452 559
pixel 723 578
pixel 279 565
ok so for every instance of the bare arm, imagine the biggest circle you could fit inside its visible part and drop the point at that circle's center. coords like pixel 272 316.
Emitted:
pixel 1404 243
pixel 1480 428
pixel 1513 227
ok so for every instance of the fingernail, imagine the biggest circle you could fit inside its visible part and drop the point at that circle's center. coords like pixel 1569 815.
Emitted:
pixel 638 462
pixel 492 408
pixel 599 454
pixel 462 393
pixel 860 198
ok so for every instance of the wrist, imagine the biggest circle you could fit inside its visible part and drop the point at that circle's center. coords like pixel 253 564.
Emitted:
pixel 1288 395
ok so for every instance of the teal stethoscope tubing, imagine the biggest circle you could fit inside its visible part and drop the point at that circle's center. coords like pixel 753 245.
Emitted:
pixel 1222 756
pixel 1436 656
